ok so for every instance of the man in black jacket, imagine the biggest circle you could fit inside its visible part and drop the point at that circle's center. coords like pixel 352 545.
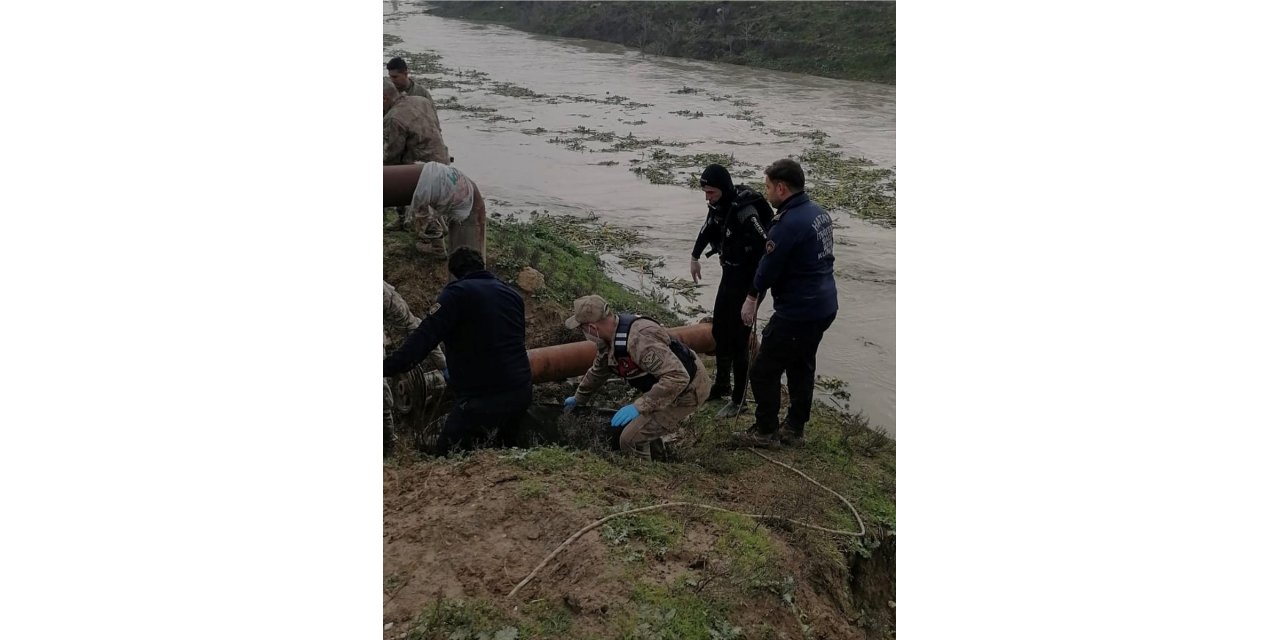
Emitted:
pixel 480 320
pixel 735 228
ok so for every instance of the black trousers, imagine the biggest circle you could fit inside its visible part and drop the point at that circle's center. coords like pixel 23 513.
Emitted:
pixel 791 347
pixel 731 336
pixel 480 420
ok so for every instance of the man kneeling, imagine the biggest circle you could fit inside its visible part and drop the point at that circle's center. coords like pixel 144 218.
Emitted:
pixel 640 351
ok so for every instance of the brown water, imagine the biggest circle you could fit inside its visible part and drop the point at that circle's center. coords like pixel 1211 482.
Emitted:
pixel 519 171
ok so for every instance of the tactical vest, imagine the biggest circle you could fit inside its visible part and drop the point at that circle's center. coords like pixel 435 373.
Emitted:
pixel 628 370
pixel 736 245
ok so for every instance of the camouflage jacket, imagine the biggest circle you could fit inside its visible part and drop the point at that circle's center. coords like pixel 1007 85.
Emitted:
pixel 411 133
pixel 649 345
pixel 420 90
pixel 398 322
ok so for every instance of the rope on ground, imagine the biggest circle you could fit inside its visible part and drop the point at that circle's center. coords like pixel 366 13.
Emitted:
pixel 571 539
pixel 862 527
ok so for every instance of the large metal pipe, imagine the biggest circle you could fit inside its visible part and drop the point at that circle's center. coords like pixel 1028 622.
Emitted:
pixel 398 184
pixel 574 359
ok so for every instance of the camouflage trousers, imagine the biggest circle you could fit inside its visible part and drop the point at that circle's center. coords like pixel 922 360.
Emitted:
pixel 433 229
pixel 647 428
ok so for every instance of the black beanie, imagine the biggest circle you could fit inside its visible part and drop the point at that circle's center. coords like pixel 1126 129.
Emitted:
pixel 718 177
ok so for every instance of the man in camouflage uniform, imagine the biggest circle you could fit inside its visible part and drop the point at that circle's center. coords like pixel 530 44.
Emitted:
pixel 410 132
pixel 410 129
pixel 397 322
pixel 638 349
pixel 398 72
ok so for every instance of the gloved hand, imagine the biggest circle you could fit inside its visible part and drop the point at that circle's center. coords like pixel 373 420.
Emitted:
pixel 695 270
pixel 570 403
pixel 624 415
pixel 445 372
pixel 749 310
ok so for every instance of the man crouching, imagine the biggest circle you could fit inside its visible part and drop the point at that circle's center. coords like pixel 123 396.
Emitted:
pixel 639 350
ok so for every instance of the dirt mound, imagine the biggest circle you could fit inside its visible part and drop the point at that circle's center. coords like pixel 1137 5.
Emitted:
pixel 460 534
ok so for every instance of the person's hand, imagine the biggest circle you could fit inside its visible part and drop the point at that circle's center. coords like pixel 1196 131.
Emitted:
pixel 624 415
pixel 749 311
pixel 570 403
pixel 695 270
pixel 445 372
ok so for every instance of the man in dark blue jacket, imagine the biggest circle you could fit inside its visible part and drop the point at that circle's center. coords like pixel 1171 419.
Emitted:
pixel 480 320
pixel 798 266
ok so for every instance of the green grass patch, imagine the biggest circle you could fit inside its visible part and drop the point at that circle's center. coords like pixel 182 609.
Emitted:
pixel 463 620
pixel 745 541
pixel 550 244
pixel 529 489
pixel 645 534
pixel 676 613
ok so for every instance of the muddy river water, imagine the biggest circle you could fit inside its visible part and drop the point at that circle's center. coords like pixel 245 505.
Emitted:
pixel 750 113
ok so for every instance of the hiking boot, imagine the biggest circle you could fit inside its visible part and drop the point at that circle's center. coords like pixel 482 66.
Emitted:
pixel 718 391
pixel 790 438
pixel 663 449
pixel 731 410
pixel 753 438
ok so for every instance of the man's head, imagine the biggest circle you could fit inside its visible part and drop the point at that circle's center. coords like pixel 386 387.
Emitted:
pixel 390 95
pixel 783 179
pixel 716 182
pixel 591 314
pixel 398 71
pixel 465 260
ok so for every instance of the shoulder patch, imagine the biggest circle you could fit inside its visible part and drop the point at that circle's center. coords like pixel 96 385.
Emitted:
pixel 651 361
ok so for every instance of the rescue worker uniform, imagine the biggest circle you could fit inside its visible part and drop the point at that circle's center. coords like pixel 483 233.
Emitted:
pixel 798 266
pixel 420 90
pixel 735 228
pixel 397 323
pixel 480 320
pixel 411 133
pixel 447 200
pixel 672 378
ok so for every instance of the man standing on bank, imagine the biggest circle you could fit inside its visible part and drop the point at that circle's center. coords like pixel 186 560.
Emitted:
pixel 735 228
pixel 798 266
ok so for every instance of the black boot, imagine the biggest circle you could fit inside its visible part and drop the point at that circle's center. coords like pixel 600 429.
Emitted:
pixel 720 388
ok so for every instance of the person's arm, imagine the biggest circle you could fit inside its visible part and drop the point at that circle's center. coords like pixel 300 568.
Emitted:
pixel 782 239
pixel 396 316
pixel 433 329
pixel 750 219
pixel 594 378
pixel 655 356
pixel 709 231
pixel 394 140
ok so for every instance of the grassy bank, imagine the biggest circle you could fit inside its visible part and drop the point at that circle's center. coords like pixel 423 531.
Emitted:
pixel 679 573
pixel 846 40
pixel 461 532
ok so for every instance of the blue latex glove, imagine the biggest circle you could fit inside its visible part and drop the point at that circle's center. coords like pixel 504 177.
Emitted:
pixel 445 372
pixel 624 415
pixel 570 403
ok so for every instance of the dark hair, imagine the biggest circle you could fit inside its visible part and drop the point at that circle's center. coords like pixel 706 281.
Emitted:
pixel 787 171
pixel 397 64
pixel 465 260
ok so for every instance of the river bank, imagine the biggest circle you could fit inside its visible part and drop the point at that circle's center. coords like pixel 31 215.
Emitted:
pixel 845 40
pixel 459 533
